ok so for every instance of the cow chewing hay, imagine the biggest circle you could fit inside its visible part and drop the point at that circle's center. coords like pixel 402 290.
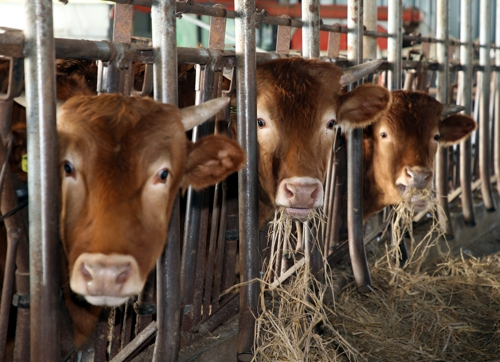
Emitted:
pixel 401 225
pixel 295 308
pixel 449 313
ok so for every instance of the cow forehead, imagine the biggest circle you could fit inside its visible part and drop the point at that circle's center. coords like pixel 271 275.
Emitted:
pixel 298 91
pixel 413 114
pixel 121 146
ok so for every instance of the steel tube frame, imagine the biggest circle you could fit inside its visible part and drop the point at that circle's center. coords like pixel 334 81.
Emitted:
pixel 496 150
pixel 310 29
pixel 394 27
pixel 354 157
pixel 246 99
pixel 442 85
pixel 370 23
pixel 465 81
pixel 168 281
pixel 484 114
pixel 43 180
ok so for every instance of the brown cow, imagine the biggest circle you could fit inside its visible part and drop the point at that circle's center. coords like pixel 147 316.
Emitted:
pixel 122 161
pixel 299 103
pixel 399 149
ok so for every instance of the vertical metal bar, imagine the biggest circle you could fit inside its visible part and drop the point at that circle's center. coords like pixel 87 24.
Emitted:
pixel 246 99
pixel 43 181
pixel 442 85
pixel 496 151
pixel 484 120
pixel 370 23
pixel 120 79
pixel 465 82
pixel 394 43
pixel 168 265
pixel 310 28
pixel 354 154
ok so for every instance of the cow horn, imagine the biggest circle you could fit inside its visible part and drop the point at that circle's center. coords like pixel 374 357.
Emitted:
pixel 449 109
pixel 195 115
pixel 357 72
pixel 21 100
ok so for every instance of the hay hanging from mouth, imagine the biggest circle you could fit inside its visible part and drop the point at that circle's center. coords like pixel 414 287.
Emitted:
pixel 294 313
pixel 401 225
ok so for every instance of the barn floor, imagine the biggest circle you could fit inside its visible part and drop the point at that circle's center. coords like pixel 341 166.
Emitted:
pixel 478 241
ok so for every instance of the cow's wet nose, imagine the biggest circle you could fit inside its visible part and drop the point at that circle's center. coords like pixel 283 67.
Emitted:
pixel 300 192
pixel 418 177
pixel 114 274
pixel 106 279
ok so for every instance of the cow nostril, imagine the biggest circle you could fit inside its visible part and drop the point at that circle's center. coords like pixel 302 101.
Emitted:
pixel 315 192
pixel 123 276
pixel 409 174
pixel 85 273
pixel 289 191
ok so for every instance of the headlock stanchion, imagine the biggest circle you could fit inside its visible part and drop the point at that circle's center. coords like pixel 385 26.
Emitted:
pixel 191 278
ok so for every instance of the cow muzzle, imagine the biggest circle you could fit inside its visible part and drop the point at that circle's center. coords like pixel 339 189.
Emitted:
pixel 300 196
pixel 106 280
pixel 415 178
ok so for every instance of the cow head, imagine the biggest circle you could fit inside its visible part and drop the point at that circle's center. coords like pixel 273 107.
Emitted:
pixel 122 161
pixel 400 147
pixel 299 103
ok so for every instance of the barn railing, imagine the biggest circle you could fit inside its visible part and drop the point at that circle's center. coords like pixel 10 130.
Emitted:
pixel 175 323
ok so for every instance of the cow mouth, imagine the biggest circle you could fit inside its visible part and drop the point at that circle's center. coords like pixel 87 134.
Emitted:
pixel 106 300
pixel 301 214
pixel 417 201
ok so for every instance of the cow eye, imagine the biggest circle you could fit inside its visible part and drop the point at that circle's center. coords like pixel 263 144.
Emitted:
pixel 261 123
pixel 436 137
pixel 162 176
pixel 69 169
pixel 383 135
pixel 331 124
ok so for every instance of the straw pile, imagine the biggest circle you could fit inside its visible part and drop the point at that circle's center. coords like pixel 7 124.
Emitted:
pixel 451 313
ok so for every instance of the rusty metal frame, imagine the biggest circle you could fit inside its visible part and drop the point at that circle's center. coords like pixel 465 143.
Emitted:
pixel 121 53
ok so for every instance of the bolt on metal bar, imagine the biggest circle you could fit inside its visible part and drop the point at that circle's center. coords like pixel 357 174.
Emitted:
pixel 168 265
pixel 354 157
pixel 484 114
pixel 394 44
pixel 465 82
pixel 496 150
pixel 246 98
pixel 442 87
pixel 43 180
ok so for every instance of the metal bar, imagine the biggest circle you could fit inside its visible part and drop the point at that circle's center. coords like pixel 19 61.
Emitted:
pixel 354 156
pixel 283 38
pixel 196 223
pixel 442 85
pixel 370 23
pixel 310 28
pixel 136 343
pixel 394 44
pixel 484 120
pixel 246 100
pixel 43 180
pixel 496 150
pixel 12 241
pixel 168 265
pixel 465 82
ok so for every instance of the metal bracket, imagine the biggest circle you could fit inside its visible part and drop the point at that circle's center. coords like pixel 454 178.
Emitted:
pixel 16 80
pixel 21 301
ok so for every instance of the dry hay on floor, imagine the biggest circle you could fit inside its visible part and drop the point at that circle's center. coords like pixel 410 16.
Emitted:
pixel 449 314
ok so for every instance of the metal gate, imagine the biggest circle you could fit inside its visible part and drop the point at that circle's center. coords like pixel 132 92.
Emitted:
pixel 187 289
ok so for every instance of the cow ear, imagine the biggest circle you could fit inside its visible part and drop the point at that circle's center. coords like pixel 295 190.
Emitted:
pixel 362 106
pixel 455 128
pixel 211 160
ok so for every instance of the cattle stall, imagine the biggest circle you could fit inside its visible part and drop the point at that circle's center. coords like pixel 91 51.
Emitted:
pixel 185 300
